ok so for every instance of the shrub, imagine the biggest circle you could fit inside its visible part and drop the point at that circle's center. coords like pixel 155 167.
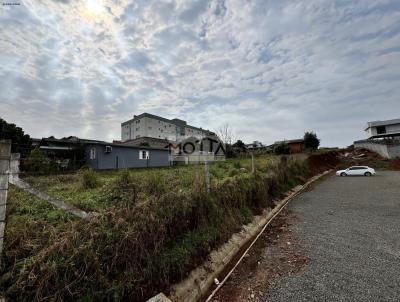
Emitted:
pixel 156 183
pixel 282 148
pixel 233 172
pixel 237 165
pixel 124 189
pixel 124 178
pixel 88 179
pixel 37 163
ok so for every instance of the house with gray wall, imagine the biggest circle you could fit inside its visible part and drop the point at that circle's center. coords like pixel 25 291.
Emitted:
pixel 101 156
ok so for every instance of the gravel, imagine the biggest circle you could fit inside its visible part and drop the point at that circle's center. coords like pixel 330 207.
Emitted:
pixel 350 229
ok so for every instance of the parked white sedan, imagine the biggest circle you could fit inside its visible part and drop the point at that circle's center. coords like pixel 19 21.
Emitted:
pixel 356 170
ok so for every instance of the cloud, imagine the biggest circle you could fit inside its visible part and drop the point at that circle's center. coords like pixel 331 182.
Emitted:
pixel 272 69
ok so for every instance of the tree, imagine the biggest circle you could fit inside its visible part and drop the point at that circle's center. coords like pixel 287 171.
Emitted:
pixel 226 134
pixel 240 146
pixel 281 148
pixel 227 137
pixel 311 140
pixel 21 142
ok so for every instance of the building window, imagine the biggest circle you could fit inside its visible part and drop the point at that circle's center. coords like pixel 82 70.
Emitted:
pixel 381 130
pixel 92 153
pixel 144 154
pixel 150 128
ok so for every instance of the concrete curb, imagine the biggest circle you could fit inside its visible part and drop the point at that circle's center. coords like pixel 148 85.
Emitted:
pixel 199 282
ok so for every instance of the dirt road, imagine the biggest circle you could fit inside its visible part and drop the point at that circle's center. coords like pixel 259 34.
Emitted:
pixel 339 241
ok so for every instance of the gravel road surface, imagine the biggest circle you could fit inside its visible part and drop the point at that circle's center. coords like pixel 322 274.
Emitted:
pixel 350 229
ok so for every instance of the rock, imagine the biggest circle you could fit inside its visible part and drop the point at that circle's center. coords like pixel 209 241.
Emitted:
pixel 159 298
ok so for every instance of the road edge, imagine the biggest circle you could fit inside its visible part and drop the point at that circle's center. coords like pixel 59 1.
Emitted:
pixel 200 280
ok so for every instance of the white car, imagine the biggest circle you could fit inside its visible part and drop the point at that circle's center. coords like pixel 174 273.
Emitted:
pixel 356 170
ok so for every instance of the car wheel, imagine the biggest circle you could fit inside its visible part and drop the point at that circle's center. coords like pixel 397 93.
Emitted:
pixel 343 174
pixel 367 174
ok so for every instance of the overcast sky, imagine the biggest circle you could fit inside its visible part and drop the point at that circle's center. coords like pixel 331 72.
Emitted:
pixel 271 69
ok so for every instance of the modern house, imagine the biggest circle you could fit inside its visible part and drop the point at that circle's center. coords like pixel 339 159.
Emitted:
pixel 153 126
pixel 383 138
pixel 295 145
pixel 383 129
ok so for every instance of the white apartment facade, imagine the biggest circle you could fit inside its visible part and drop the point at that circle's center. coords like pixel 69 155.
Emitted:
pixel 149 125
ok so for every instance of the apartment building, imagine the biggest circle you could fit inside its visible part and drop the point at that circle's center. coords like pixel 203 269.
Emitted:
pixel 153 126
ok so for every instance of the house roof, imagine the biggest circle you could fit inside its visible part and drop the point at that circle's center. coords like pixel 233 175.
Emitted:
pixel 75 141
pixel 290 141
pixel 382 123
pixel 124 146
pixel 142 139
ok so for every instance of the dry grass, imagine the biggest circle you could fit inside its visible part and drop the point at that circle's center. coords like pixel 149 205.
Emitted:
pixel 154 227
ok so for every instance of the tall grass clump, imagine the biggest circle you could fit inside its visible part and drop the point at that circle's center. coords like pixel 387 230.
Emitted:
pixel 88 179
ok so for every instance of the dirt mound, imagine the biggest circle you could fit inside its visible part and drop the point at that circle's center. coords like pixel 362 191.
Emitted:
pixel 395 164
pixel 364 157
pixel 322 162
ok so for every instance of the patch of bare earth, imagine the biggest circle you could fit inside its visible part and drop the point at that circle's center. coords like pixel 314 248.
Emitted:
pixel 276 253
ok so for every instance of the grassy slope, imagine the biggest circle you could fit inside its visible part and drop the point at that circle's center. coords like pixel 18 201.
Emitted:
pixel 31 224
pixel 69 187
pixel 154 227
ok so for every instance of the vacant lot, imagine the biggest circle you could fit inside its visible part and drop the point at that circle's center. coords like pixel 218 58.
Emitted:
pixel 349 228
pixel 70 188
pixel 150 228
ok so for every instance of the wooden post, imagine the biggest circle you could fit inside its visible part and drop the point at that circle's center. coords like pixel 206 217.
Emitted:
pixel 207 175
pixel 5 151
pixel 253 169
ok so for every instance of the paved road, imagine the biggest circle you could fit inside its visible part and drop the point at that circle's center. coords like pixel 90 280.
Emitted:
pixel 350 228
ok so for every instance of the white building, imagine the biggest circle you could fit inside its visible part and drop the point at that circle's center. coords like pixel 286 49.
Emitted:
pixel 380 129
pixel 255 145
pixel 149 125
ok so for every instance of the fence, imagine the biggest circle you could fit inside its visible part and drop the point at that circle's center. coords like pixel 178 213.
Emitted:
pixel 5 150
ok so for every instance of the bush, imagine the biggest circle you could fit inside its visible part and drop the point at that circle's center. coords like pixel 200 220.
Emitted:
pixel 281 149
pixel 237 165
pixel 37 163
pixel 233 172
pixel 89 179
